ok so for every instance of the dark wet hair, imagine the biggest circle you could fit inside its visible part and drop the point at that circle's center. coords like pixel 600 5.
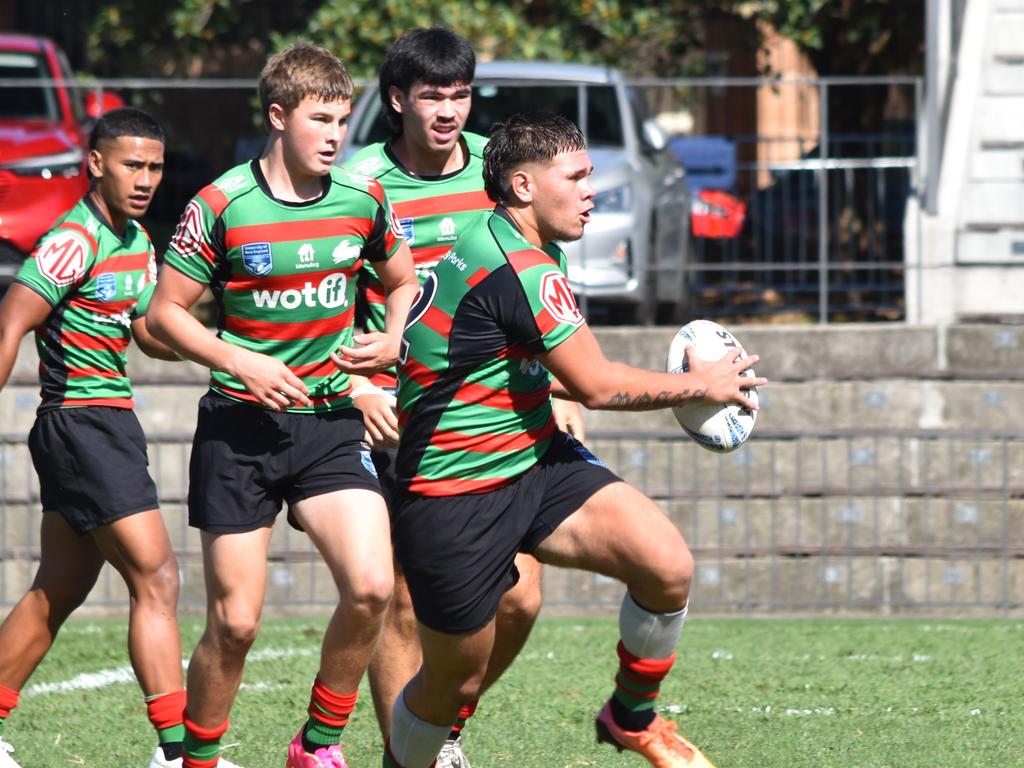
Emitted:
pixel 528 137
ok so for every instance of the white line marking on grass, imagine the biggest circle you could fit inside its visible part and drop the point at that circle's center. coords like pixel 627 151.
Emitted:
pixel 85 681
pixel 104 678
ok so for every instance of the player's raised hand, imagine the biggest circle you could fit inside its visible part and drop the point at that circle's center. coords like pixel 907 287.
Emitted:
pixel 724 378
pixel 373 351
pixel 268 380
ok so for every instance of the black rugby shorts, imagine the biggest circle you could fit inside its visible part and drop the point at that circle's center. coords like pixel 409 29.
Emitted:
pixel 92 465
pixel 458 552
pixel 247 462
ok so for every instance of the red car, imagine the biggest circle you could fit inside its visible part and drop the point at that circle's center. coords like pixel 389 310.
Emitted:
pixel 42 144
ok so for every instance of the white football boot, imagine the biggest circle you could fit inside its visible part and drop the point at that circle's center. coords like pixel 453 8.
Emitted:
pixel 451 755
pixel 6 761
pixel 158 761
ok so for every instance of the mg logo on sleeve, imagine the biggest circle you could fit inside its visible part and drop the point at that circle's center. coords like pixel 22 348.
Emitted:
pixel 557 298
pixel 61 259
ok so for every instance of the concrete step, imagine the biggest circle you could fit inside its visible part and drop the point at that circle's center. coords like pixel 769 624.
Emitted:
pixel 877 405
pixel 1002 245
pixel 999 120
pixel 963 469
pixel 1006 33
pixel 1003 76
pixel 992 204
pixel 997 164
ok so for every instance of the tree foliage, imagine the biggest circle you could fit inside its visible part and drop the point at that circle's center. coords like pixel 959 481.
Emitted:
pixel 232 37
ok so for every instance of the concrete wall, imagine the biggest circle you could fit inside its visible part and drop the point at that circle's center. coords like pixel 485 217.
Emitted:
pixel 868 521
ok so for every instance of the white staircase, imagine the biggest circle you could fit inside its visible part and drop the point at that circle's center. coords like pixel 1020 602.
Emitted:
pixel 991 221
pixel 972 246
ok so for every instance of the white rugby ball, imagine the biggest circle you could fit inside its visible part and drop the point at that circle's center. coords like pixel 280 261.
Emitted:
pixel 719 428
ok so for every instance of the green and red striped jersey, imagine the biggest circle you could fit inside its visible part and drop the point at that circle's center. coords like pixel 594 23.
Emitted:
pixel 432 212
pixel 283 274
pixel 474 406
pixel 97 282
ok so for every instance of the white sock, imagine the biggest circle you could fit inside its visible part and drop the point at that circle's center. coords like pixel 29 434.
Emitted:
pixel 649 635
pixel 414 742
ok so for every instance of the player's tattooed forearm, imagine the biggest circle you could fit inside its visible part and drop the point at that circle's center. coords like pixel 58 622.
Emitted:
pixel 649 401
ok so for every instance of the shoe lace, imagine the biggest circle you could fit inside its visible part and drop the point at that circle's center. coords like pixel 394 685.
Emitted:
pixel 662 736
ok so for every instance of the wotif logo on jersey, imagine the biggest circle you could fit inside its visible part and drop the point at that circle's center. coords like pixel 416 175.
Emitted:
pixel 257 259
pixel 106 286
pixel 329 293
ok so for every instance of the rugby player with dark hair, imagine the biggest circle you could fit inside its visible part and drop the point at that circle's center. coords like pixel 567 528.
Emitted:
pixel 432 170
pixel 84 291
pixel 484 473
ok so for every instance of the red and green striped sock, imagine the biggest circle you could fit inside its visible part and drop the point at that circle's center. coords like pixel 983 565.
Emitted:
pixel 202 745
pixel 8 701
pixel 637 685
pixel 166 712
pixel 460 722
pixel 328 715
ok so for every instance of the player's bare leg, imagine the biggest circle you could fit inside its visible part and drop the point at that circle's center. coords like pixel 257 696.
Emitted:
pixel 140 550
pixel 451 677
pixel 68 568
pixel 235 570
pixel 621 533
pixel 397 657
pixel 351 529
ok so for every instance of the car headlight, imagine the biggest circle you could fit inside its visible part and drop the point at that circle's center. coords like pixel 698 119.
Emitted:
pixel 67 164
pixel 614 200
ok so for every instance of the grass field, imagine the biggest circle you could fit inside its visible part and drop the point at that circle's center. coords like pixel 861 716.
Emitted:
pixel 754 694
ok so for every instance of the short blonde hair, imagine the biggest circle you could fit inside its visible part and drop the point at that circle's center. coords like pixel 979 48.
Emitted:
pixel 300 70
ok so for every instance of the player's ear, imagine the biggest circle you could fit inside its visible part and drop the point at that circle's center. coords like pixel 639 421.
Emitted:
pixel 521 185
pixel 396 98
pixel 95 163
pixel 275 116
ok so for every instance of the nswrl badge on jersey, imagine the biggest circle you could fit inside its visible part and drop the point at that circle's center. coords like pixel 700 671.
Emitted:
pixel 257 259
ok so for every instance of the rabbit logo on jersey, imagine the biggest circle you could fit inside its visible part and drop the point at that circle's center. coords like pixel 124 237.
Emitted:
pixel 328 293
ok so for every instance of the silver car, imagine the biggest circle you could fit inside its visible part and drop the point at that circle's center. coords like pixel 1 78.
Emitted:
pixel 632 259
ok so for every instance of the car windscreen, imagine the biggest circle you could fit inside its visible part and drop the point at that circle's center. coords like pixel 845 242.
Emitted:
pixel 25 102
pixel 493 103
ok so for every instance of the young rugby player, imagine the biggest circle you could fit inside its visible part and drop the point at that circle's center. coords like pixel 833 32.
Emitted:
pixel 280 241
pixel 484 473
pixel 84 291
pixel 432 171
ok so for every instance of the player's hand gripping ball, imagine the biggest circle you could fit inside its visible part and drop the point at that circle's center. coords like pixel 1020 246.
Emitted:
pixel 719 428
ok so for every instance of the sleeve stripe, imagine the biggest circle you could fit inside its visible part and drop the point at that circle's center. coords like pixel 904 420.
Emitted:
pixel 523 260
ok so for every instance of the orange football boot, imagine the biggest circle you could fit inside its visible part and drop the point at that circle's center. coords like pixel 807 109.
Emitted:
pixel 659 744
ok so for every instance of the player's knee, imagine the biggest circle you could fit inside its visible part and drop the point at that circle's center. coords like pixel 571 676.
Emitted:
pixel 670 572
pixel 234 631
pixel 371 593
pixel 162 584
pixel 520 607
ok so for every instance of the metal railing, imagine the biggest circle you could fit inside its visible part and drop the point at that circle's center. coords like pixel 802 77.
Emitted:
pixel 878 522
pixel 824 226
